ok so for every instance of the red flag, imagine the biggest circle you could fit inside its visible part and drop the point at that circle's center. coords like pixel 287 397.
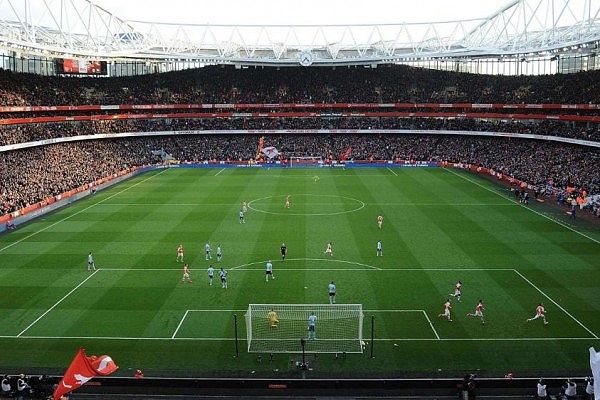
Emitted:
pixel 81 370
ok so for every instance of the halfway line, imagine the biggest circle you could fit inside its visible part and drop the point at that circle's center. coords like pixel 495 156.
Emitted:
pixel 311 204
pixel 375 269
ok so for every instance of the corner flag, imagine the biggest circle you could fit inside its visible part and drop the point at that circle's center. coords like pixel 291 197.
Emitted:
pixel 81 370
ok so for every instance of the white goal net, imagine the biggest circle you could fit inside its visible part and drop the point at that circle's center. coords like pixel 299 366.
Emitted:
pixel 337 328
pixel 306 161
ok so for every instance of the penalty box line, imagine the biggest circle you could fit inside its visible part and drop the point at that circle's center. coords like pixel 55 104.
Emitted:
pixel 58 302
pixel 556 304
pixel 437 336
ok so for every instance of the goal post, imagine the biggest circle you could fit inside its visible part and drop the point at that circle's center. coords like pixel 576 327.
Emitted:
pixel 306 161
pixel 338 328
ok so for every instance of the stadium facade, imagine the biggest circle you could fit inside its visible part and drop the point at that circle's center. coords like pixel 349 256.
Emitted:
pixel 525 37
pixel 65 139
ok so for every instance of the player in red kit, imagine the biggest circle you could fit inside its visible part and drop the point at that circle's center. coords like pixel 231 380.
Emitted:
pixel 478 311
pixel 179 253
pixel 186 274
pixel 540 312
pixel 446 313
pixel 457 290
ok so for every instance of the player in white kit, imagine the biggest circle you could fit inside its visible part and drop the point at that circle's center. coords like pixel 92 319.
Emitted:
pixel 329 249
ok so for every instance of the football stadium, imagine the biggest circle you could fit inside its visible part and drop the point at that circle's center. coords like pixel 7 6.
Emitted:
pixel 398 200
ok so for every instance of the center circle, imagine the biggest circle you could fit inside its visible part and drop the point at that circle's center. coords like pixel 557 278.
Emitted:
pixel 296 200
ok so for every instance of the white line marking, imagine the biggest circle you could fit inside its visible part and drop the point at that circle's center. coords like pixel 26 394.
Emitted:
pixel 360 205
pixel 348 175
pixel 392 171
pixel 364 311
pixel 556 304
pixel 310 259
pixel 180 323
pixel 79 212
pixel 431 325
pixel 58 302
pixel 244 339
pixel 217 174
pixel 239 269
pixel 171 204
pixel 312 204
pixel 524 206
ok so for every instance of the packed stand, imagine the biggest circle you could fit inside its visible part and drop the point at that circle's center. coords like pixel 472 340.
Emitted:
pixel 33 174
pixel 12 134
pixel 225 84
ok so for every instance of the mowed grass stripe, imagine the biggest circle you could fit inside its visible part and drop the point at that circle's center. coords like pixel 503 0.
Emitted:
pixel 448 238
pixel 478 181
pixel 30 229
pixel 81 314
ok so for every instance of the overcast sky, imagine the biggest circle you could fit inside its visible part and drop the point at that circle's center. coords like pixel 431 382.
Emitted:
pixel 300 11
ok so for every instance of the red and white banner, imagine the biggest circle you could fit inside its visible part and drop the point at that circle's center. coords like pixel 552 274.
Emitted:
pixel 271 152
pixel 81 370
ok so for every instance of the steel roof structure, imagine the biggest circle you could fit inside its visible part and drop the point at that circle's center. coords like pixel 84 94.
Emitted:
pixel 82 29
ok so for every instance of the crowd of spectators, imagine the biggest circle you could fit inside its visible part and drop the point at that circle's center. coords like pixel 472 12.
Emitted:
pixel 29 175
pixel 26 386
pixel 33 174
pixel 568 390
pixel 11 134
pixel 225 84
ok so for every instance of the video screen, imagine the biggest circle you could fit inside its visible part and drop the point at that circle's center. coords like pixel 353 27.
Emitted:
pixel 84 67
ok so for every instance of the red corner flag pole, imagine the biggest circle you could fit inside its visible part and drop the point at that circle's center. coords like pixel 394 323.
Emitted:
pixel 81 370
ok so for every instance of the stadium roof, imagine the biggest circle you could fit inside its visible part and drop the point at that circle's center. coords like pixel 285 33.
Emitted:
pixel 83 29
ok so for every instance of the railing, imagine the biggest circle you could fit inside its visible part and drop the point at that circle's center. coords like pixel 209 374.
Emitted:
pixel 306 114
pixel 245 106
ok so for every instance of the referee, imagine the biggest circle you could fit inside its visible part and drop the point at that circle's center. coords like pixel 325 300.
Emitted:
pixel 283 251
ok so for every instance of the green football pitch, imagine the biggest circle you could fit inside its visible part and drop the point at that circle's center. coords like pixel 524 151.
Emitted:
pixel 440 226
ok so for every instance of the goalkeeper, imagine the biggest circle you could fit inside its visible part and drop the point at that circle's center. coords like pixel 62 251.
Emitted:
pixel 273 319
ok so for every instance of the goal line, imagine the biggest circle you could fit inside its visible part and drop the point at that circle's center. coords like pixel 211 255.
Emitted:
pixel 417 311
